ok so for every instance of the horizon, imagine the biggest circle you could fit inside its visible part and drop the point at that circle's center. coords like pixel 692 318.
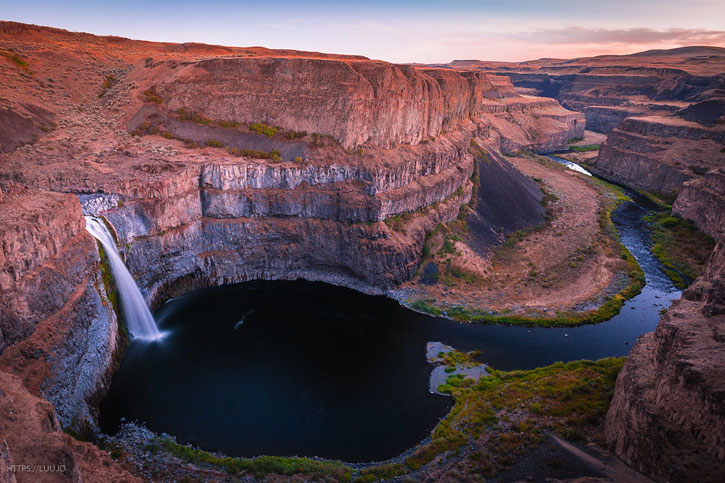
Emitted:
pixel 400 32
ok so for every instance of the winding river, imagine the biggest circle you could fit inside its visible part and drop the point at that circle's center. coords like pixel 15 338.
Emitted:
pixel 309 369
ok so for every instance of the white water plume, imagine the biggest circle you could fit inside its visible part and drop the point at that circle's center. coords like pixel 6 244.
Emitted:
pixel 140 322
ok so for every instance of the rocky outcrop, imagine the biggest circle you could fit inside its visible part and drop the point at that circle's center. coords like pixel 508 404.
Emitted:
pixel 58 330
pixel 605 119
pixel 702 200
pixel 667 417
pixel 659 154
pixel 531 123
pixel 34 448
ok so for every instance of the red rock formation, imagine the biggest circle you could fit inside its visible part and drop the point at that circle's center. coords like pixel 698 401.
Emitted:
pixel 667 418
pixel 660 153
pixel 57 328
pixel 610 88
pixel 702 200
pixel 33 447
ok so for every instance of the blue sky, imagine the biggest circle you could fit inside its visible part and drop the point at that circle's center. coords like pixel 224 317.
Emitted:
pixel 398 31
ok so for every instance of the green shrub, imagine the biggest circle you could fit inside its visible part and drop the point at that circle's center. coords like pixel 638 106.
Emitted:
pixel 214 143
pixel 152 95
pixel 296 134
pixel 108 82
pixel 261 128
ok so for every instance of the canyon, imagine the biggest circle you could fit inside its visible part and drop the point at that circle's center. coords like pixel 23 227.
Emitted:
pixel 215 165
pixel 662 112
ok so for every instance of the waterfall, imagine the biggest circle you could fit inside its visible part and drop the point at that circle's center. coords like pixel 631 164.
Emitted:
pixel 138 317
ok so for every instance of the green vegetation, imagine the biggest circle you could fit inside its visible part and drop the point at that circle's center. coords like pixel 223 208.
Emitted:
pixel 576 140
pixel 588 147
pixel 152 95
pixel 214 143
pixel 680 246
pixel 296 134
pixel 509 412
pixel 227 124
pixel 396 223
pixel 258 467
pixel 261 128
pixel 108 82
pixel 252 153
pixel 456 358
pixel 182 114
pixel 425 306
pixel 382 472
pixel 15 58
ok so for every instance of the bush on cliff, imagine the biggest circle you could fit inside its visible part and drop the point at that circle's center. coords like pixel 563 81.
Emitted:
pixel 261 128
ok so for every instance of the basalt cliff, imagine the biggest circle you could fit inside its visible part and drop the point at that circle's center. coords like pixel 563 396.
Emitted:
pixel 662 110
pixel 214 165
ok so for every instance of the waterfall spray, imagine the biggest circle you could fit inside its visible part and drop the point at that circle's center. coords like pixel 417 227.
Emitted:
pixel 138 317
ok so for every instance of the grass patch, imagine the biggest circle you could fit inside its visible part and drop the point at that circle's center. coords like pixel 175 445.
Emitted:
pixel 183 114
pixel 397 223
pixel 253 153
pixel 425 306
pixel 588 147
pixel 509 412
pixel 15 58
pixel 296 134
pixel 258 467
pixel 680 246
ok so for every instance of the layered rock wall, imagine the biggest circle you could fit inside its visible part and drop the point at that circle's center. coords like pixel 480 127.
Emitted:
pixel 356 101
pixel 702 200
pixel 659 154
pixel 58 329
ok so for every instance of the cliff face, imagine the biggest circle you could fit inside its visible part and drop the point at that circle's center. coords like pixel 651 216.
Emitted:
pixel 667 417
pixel 610 88
pixel 33 436
pixel 702 200
pixel 223 222
pixel 357 102
pixel 57 328
pixel 531 123
pixel 660 153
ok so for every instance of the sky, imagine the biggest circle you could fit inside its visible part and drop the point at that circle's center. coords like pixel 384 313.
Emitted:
pixel 424 31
